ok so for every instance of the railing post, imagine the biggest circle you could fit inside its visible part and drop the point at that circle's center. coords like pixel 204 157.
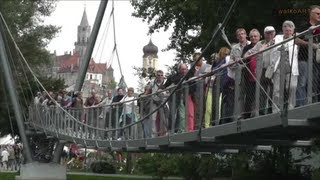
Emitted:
pixel 237 89
pixel 124 123
pixel 117 122
pixel 173 112
pixel 110 122
pixel 216 100
pixel 258 85
pixel 186 107
pixel 310 69
pixel 132 128
pixel 201 107
pixel 283 101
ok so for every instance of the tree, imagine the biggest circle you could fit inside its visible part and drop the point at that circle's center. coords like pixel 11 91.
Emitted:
pixel 25 21
pixel 194 21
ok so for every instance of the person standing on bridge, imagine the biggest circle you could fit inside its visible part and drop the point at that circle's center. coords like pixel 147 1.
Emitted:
pixel 116 109
pixel 128 111
pixel 179 114
pixel 105 107
pixel 249 76
pixel 228 94
pixel 194 102
pixel 291 66
pixel 314 19
pixel 92 113
pixel 264 59
pixel 158 120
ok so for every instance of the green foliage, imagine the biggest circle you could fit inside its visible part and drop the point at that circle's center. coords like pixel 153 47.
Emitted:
pixel 77 164
pixel 88 177
pixel 25 21
pixel 194 21
pixel 213 166
pixel 316 175
pixel 144 73
pixel 102 167
pixel 157 165
pixel 188 165
pixel 112 84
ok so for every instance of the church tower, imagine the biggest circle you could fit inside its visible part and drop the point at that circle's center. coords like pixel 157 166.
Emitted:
pixel 150 57
pixel 84 30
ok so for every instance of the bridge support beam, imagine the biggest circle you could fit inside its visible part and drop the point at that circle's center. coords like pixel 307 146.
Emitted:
pixel 57 152
pixel 42 171
pixel 8 78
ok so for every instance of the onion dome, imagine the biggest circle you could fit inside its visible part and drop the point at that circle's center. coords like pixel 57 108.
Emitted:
pixel 150 48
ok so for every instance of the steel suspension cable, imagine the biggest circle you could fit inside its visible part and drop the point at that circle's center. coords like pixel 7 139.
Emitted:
pixel 104 36
pixel 115 40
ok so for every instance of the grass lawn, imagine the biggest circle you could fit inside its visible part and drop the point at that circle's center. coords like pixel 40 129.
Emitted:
pixel 11 176
pixel 79 177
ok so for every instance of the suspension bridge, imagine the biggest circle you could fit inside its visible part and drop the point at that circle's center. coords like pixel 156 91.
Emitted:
pixel 214 132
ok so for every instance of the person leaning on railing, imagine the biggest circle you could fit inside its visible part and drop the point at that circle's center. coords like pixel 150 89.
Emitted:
pixel 264 59
pixel 210 110
pixel 179 114
pixel 290 66
pixel 128 111
pixel 302 41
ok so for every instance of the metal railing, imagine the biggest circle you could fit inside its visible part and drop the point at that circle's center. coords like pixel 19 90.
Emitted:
pixel 212 99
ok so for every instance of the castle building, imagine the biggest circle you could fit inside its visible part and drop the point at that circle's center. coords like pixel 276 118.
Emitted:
pixel 67 66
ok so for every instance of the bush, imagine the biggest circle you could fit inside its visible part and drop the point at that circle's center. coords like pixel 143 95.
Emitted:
pixel 157 165
pixel 316 175
pixel 102 167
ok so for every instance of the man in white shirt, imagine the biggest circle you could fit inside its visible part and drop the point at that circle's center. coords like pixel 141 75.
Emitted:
pixel 5 157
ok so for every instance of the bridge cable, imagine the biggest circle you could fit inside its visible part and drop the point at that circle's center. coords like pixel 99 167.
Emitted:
pixel 104 37
pixel 219 27
pixel 115 45
pixel 260 85
pixel 175 88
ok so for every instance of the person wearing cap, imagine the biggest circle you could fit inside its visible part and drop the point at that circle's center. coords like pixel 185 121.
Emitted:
pixel 263 62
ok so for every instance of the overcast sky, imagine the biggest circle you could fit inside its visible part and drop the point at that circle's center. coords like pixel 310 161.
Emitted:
pixel 131 35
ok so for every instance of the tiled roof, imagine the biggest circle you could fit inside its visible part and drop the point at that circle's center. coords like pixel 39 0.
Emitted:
pixel 70 63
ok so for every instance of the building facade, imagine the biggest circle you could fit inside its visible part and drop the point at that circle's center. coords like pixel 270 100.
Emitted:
pixel 67 66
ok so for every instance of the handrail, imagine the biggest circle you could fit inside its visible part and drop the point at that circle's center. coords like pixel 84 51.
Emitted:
pixel 193 79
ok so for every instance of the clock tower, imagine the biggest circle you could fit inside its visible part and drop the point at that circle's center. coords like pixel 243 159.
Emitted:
pixel 150 56
pixel 83 35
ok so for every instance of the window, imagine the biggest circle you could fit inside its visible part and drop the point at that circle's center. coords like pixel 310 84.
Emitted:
pixel 90 76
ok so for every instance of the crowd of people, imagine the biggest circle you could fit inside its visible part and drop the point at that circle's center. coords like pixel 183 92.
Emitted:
pixel 191 107
pixel 11 157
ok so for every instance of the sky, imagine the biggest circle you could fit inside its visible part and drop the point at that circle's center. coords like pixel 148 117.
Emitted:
pixel 131 36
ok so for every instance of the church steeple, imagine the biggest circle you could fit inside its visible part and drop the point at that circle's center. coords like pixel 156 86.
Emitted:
pixel 84 31
pixel 84 20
